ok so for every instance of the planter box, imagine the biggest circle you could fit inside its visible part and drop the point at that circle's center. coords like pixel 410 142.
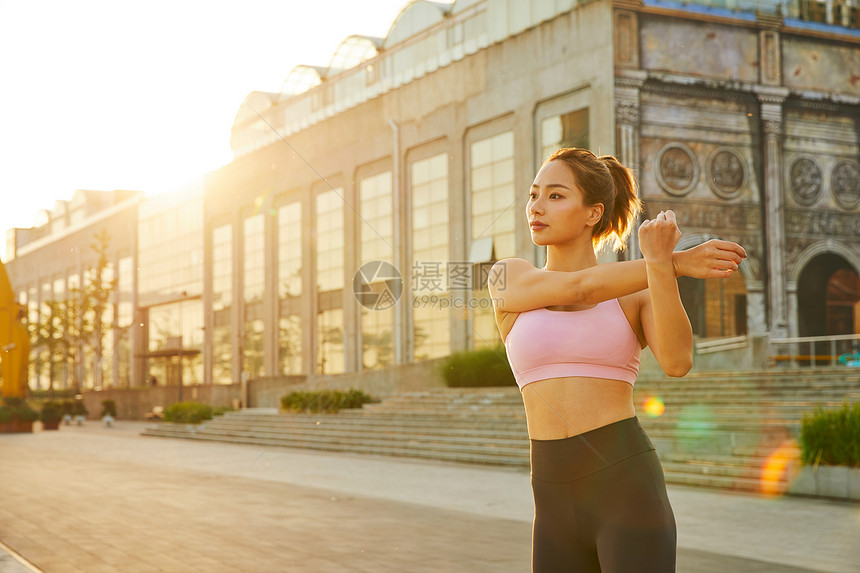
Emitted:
pixel 838 482
pixel 51 425
pixel 6 428
pixel 22 427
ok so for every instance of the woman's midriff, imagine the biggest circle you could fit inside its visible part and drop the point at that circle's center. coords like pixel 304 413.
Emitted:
pixel 559 408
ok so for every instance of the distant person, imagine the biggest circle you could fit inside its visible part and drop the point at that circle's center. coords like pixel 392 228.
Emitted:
pixel 153 381
pixel 574 331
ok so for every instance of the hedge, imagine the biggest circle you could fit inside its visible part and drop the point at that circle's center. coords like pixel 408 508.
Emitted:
pixel 831 437
pixel 478 368
pixel 188 413
pixel 324 400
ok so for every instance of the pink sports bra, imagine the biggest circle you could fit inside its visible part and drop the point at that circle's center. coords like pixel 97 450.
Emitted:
pixel 596 343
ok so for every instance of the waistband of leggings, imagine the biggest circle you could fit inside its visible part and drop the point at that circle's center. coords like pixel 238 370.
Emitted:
pixel 568 459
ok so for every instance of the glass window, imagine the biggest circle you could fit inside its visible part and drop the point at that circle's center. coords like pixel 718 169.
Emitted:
pixel 565 130
pixel 431 330
pixel 376 232
pixel 252 351
pixel 290 250
pixel 329 235
pixel 290 345
pixel 493 215
pixel 222 268
pixel 255 259
pixel 492 185
pixel 331 358
pixel 170 244
pixel 716 307
pixel 222 300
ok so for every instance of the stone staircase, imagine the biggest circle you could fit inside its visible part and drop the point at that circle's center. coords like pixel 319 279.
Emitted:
pixel 732 430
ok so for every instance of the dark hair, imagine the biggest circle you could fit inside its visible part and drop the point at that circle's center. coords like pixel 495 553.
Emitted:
pixel 604 180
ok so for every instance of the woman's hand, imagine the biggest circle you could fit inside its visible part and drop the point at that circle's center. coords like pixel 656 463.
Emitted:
pixel 658 237
pixel 712 259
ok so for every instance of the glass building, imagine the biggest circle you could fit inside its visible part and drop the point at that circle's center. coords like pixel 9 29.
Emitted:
pixel 416 150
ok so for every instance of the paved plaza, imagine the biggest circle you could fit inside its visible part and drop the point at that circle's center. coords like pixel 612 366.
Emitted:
pixel 94 499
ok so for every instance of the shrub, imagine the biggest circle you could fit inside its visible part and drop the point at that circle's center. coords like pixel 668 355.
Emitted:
pixel 831 437
pixel 478 368
pixel 108 408
pixel 187 413
pixel 52 412
pixel 78 408
pixel 68 407
pixel 221 410
pixel 25 414
pixel 5 415
pixel 324 400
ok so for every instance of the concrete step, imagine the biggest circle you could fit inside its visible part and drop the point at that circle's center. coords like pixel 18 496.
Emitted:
pixel 489 453
pixel 717 430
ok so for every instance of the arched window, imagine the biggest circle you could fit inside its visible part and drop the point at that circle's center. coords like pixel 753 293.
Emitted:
pixel 716 307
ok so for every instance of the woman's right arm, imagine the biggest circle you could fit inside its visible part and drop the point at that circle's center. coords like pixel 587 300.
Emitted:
pixel 517 286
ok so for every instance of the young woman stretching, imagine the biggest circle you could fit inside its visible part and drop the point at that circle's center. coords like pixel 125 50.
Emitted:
pixel 573 332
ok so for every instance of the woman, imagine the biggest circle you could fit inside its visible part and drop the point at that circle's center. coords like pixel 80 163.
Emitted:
pixel 573 331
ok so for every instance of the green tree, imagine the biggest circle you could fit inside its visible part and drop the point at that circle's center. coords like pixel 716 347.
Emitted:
pixel 98 292
pixel 47 339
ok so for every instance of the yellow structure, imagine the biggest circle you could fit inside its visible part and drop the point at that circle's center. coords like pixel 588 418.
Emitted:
pixel 14 342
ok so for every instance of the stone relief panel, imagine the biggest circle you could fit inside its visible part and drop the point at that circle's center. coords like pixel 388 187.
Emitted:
pixel 733 222
pixel 726 172
pixel 698 48
pixel 697 146
pixel 822 224
pixel 845 183
pixel 805 180
pixel 677 169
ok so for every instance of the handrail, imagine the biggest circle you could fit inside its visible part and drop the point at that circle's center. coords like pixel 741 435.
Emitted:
pixel 834 337
pixel 795 344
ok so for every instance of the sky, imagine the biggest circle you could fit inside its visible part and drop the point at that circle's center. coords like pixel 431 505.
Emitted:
pixel 141 95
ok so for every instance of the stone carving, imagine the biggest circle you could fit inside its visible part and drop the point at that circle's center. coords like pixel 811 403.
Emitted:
pixel 726 173
pixel 772 128
pixel 677 169
pixel 627 113
pixel 805 180
pixel 714 219
pixel 818 223
pixel 845 183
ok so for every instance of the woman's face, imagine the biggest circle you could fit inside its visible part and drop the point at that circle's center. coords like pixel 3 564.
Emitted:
pixel 556 207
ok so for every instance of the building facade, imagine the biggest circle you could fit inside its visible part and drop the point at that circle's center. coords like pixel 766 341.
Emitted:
pixel 354 228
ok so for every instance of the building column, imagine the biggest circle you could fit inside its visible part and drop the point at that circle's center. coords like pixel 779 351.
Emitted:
pixel 771 100
pixel 628 84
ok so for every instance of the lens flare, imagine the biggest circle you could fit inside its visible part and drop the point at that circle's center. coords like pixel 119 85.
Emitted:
pixel 654 407
pixel 778 467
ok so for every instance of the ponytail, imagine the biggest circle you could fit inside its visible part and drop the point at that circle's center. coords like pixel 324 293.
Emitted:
pixel 626 206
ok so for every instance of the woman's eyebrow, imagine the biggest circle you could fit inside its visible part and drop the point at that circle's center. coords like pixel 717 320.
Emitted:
pixel 552 186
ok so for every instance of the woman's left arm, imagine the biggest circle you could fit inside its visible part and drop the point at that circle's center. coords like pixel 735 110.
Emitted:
pixel 664 321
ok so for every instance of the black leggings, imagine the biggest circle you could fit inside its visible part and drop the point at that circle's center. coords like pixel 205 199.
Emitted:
pixel 601 503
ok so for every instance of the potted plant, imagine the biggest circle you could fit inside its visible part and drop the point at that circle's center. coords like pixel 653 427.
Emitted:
pixel 23 418
pixel 79 412
pixel 67 406
pixel 830 453
pixel 52 413
pixel 5 420
pixel 108 412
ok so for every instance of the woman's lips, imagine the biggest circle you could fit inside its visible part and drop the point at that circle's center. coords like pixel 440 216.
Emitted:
pixel 536 226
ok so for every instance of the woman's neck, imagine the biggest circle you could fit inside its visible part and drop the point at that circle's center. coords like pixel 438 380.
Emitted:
pixel 570 257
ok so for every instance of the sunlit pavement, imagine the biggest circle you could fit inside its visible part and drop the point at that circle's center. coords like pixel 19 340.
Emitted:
pixel 96 499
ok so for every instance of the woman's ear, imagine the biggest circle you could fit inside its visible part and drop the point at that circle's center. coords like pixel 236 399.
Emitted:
pixel 595 213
